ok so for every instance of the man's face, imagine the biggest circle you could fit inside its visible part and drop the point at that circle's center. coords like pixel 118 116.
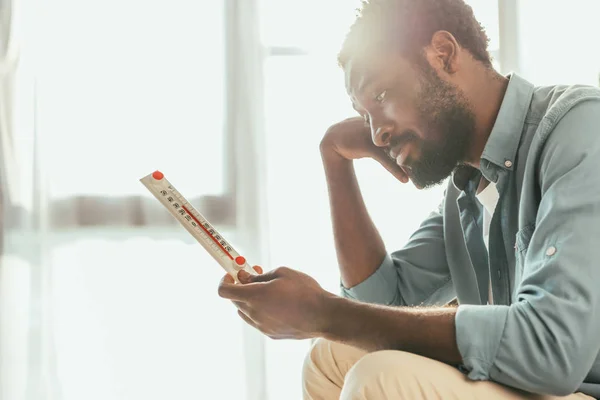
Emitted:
pixel 423 122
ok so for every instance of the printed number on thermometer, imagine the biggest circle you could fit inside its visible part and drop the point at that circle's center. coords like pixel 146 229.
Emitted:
pixel 196 224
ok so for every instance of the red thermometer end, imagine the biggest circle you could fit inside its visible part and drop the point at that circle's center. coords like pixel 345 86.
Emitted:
pixel 240 260
pixel 157 175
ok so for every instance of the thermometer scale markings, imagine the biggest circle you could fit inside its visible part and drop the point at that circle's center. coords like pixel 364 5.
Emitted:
pixel 215 243
pixel 205 226
pixel 206 230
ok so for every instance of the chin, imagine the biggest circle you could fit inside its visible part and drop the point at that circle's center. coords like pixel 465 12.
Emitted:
pixel 417 185
pixel 425 179
pixel 429 184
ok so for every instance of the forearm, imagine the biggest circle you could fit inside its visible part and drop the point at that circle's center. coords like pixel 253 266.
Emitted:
pixel 359 247
pixel 429 332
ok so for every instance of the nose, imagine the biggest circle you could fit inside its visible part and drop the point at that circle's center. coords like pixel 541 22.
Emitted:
pixel 381 135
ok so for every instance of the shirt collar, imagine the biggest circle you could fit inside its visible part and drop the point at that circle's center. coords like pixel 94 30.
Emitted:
pixel 503 142
pixel 463 174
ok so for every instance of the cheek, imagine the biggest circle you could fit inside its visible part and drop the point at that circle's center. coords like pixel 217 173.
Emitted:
pixel 406 116
pixel 403 114
pixel 431 133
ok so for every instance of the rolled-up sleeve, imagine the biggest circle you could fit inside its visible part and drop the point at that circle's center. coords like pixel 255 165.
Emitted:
pixel 417 274
pixel 547 341
pixel 379 288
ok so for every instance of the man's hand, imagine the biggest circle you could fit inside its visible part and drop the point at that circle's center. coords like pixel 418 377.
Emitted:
pixel 287 304
pixel 351 140
pixel 282 304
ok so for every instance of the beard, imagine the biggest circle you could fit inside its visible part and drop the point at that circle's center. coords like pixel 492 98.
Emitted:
pixel 446 113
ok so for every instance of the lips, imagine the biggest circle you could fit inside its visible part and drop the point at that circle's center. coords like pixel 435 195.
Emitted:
pixel 400 149
pixel 395 152
pixel 400 154
pixel 400 145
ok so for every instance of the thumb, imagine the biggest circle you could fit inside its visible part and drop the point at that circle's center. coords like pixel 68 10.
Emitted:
pixel 245 277
pixel 264 277
pixel 258 269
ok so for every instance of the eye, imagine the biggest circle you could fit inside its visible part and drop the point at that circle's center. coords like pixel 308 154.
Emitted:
pixel 381 97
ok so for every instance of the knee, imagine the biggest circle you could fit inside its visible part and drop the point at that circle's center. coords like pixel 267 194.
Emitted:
pixel 315 369
pixel 326 358
pixel 319 353
pixel 381 363
pixel 378 374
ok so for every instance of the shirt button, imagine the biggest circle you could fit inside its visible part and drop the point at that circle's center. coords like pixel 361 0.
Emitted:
pixel 508 163
pixel 550 251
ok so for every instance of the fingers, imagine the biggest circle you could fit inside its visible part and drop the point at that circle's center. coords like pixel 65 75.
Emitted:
pixel 231 291
pixel 248 320
pixel 393 168
pixel 244 292
pixel 227 279
pixel 245 277
pixel 243 307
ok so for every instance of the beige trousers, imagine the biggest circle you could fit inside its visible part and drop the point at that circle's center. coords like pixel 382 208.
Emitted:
pixel 337 371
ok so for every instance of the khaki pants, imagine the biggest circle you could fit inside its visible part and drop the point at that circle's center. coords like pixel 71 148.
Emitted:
pixel 336 371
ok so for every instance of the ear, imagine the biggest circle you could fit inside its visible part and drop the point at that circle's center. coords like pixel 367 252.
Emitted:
pixel 442 52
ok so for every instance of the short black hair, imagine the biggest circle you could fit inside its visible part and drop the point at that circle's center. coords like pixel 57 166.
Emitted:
pixel 407 26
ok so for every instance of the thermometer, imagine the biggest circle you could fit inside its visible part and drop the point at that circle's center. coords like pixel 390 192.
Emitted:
pixel 196 224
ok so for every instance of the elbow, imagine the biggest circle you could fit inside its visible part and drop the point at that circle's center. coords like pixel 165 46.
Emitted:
pixel 559 379
pixel 556 354
pixel 568 366
pixel 561 386
pixel 549 380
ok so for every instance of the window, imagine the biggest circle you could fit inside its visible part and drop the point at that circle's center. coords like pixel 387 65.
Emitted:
pixel 127 87
pixel 555 45
pixel 109 92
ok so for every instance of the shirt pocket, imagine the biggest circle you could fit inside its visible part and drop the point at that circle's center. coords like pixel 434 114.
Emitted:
pixel 523 238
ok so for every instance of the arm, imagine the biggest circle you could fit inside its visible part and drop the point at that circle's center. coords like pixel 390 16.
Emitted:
pixel 359 247
pixel 417 274
pixel 285 303
pixel 429 332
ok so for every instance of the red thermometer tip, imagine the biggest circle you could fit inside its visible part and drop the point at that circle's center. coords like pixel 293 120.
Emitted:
pixel 157 175
pixel 240 260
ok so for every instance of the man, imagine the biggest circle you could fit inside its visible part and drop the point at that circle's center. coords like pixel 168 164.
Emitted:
pixel 515 239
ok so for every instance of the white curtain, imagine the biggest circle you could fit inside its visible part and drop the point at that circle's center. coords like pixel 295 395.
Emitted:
pixel 558 41
pixel 15 274
pixel 8 63
pixel 103 295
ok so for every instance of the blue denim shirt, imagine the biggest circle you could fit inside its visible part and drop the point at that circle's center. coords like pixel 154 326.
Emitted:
pixel 542 333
